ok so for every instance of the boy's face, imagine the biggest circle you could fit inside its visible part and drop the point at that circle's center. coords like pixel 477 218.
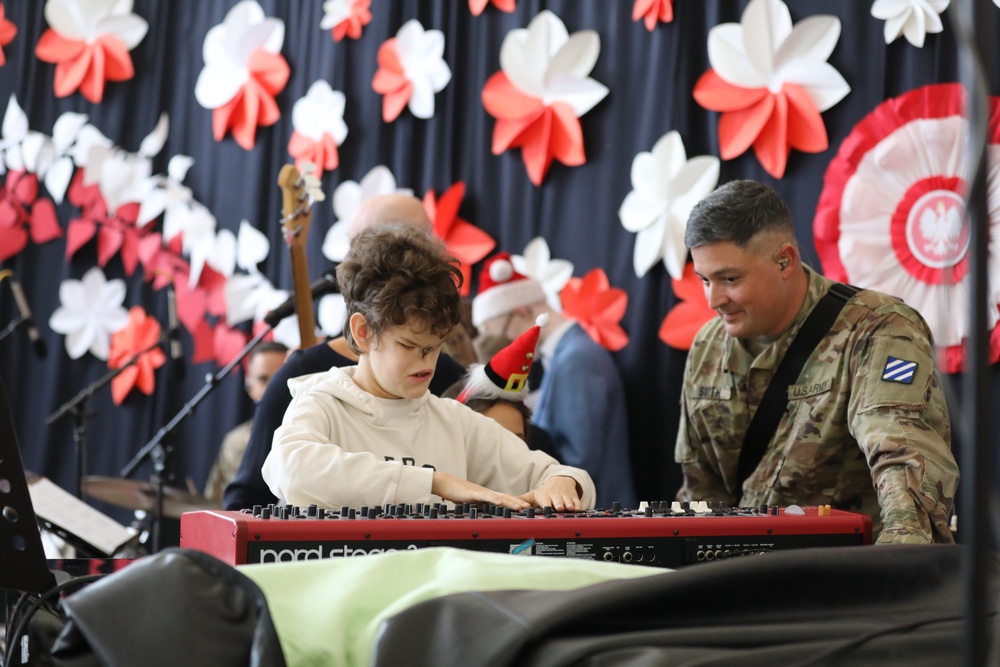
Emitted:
pixel 400 364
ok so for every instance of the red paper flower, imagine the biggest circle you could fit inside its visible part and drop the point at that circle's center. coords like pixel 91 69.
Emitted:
pixel 89 44
pixel 411 69
pixel 463 239
pixel 254 105
pixel 651 11
pixel 346 18
pixel 141 333
pixel 7 33
pixel 597 307
pixel 477 6
pixel 244 72
pixel 687 317
pixel 115 233
pixel 771 81
pixel 541 93
pixel 23 214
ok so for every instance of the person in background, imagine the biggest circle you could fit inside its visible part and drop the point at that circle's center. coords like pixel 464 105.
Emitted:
pixel 373 434
pixel 265 360
pixel 497 389
pixel 865 428
pixel 248 487
pixel 581 398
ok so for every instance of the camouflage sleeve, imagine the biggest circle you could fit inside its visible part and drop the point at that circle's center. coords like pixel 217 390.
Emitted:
pixel 900 420
pixel 701 481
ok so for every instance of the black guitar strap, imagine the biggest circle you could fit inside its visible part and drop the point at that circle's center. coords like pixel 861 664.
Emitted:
pixel 772 406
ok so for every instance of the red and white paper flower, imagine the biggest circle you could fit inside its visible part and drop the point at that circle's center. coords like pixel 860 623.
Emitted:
pixel 411 69
pixel 137 337
pixel 891 216
pixel 464 241
pixel 653 11
pixel 243 74
pixel 665 187
pixel 771 81
pixel 90 311
pixel 318 119
pixel 597 307
pixel 477 6
pixel 541 92
pixel 346 18
pixel 89 42
pixel 911 18
pixel 8 31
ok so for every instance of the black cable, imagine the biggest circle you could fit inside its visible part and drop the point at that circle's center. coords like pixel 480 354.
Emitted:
pixel 14 639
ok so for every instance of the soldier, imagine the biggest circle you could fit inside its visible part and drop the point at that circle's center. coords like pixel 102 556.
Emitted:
pixel 862 427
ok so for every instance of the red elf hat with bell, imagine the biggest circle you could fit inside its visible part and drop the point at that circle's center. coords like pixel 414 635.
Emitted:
pixel 506 374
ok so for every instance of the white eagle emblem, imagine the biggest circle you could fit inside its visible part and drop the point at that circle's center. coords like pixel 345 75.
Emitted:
pixel 941 228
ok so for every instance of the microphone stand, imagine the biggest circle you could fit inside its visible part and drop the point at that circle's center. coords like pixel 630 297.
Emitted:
pixel 78 407
pixel 13 326
pixel 157 453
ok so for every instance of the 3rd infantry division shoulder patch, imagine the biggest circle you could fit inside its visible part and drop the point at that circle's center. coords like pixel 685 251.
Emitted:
pixel 899 370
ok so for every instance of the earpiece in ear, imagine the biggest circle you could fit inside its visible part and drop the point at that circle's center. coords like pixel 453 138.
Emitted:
pixel 783 263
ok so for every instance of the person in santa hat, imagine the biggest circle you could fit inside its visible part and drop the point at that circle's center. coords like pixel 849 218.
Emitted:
pixel 581 398
pixel 497 388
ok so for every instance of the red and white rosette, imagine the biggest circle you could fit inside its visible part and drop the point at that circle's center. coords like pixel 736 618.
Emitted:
pixel 891 216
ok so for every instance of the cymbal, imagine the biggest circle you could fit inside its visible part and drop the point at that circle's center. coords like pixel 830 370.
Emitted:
pixel 135 495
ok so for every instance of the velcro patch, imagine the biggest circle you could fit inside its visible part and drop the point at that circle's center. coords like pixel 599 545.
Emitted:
pixel 899 370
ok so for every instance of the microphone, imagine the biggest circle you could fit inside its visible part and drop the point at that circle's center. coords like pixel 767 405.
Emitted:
pixel 176 349
pixel 22 307
pixel 322 287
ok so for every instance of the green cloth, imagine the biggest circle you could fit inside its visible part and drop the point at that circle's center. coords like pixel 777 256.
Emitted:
pixel 327 612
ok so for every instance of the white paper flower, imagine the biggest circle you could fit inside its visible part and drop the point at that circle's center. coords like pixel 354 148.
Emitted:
pixel 120 176
pixel 227 48
pixel 90 311
pixel 87 20
pixel 199 227
pixel 546 62
pixel 64 134
pixel 665 187
pixel 552 274
pixel 346 200
pixel 252 247
pixel 164 193
pixel 764 50
pixel 911 18
pixel 241 299
pixel 331 314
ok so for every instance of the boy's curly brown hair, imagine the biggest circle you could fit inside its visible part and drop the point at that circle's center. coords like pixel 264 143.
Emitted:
pixel 397 274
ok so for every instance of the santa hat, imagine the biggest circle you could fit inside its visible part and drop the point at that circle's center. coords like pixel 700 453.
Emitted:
pixel 506 374
pixel 502 289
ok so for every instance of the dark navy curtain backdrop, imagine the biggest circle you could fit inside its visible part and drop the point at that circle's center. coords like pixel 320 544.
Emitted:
pixel 650 76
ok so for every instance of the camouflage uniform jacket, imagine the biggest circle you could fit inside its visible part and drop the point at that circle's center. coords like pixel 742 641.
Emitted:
pixel 855 435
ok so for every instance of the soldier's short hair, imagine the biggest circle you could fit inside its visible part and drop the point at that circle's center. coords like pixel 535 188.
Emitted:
pixel 737 212
pixel 397 274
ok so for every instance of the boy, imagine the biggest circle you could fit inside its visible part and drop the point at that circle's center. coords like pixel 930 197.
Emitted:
pixel 372 434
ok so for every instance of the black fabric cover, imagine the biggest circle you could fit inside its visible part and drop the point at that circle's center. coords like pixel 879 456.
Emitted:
pixel 856 606
pixel 179 607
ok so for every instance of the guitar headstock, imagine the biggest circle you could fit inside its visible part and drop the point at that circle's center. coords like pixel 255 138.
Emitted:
pixel 296 208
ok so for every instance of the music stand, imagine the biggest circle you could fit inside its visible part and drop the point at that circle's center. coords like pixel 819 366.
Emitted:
pixel 24 565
